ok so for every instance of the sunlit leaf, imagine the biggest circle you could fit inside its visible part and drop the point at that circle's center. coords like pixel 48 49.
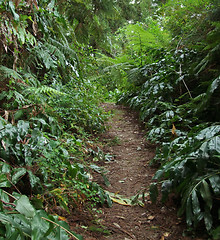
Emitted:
pixel 215 183
pixel 12 8
pixel 24 206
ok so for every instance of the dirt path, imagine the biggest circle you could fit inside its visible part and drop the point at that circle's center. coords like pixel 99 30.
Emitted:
pixel 129 172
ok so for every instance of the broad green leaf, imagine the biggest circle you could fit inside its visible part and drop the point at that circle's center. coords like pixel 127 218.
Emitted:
pixel 214 145
pixel 195 203
pixel 14 236
pixel 23 127
pixel 37 234
pixel 107 183
pixel 208 219
pixel 208 132
pixel 39 226
pixel 101 195
pixel 6 168
pixel 215 183
pixel 206 194
pixel 33 179
pixel 12 8
pixel 189 214
pixel 19 114
pixel 2 121
pixel 24 222
pixel 41 120
pixel 24 206
pixel 61 233
pixel 165 189
pixel 215 84
pixel 4 196
pixel 8 219
pixel 21 34
pixel 72 171
pixel 96 168
pixel 210 147
pixel 109 201
pixel 158 174
pixel 4 180
pixel 19 172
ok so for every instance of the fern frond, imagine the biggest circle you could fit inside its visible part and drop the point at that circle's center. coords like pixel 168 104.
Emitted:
pixel 31 80
pixel 65 49
pixel 45 90
pixel 55 51
pixel 6 72
pixel 70 57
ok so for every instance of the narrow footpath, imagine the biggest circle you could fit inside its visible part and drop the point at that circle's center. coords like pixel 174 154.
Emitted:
pixel 129 173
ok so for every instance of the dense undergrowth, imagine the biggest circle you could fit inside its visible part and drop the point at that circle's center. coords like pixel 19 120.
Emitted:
pixel 49 108
pixel 57 58
pixel 169 70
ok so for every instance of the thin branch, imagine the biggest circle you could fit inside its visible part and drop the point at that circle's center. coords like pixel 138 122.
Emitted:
pixel 8 203
pixel 3 160
pixel 60 227
pixel 9 195
pixel 180 73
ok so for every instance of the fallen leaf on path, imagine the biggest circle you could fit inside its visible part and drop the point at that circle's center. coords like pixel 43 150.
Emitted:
pixel 166 234
pixel 123 200
pixel 121 181
pixel 118 226
pixel 119 199
pixel 120 217
pixel 151 217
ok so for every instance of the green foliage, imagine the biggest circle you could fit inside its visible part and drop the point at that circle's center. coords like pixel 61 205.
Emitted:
pixel 20 220
pixel 148 35
pixel 53 77
pixel 77 108
pixel 48 107
pixel 182 19
pixel 188 154
pixel 193 165
pixel 175 87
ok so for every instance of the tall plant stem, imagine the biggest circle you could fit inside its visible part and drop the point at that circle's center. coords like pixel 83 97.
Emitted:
pixel 180 73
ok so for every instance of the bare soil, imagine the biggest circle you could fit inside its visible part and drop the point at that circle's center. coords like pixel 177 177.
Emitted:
pixel 129 172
